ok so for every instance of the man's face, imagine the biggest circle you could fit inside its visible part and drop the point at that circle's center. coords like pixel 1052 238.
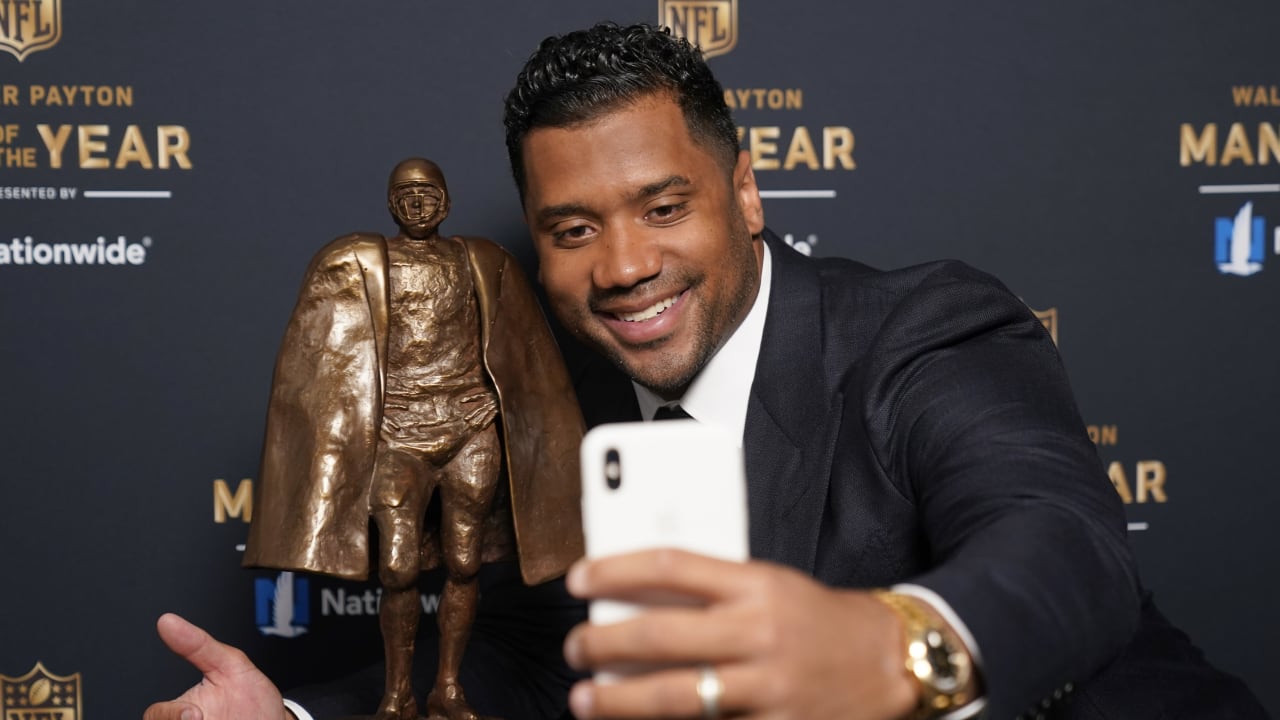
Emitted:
pixel 645 242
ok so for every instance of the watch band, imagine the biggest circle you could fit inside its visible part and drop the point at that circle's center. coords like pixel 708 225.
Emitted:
pixel 936 658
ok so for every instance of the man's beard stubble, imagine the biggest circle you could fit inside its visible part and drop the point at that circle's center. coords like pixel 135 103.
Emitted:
pixel 664 375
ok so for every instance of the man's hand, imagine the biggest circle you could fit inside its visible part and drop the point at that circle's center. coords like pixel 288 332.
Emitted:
pixel 232 688
pixel 783 645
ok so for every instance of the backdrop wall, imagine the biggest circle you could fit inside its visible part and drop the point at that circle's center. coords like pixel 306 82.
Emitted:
pixel 167 170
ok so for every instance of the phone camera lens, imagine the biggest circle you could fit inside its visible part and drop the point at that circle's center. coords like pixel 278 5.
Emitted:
pixel 612 469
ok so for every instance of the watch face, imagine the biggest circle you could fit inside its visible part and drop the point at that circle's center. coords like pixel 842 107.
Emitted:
pixel 936 657
pixel 950 665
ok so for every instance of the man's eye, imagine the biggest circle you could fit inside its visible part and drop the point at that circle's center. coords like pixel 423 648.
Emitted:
pixel 572 235
pixel 664 213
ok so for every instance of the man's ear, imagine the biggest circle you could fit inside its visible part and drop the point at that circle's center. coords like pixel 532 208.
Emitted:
pixel 744 185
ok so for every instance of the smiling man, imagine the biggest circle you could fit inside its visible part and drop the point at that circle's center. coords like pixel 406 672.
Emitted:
pixel 932 532
pixel 645 249
pixel 920 483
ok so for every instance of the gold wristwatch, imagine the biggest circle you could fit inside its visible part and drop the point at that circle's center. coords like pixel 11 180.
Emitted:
pixel 936 658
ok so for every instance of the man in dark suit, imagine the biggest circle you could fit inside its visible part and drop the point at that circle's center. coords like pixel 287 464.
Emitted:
pixel 908 433
pixel 931 528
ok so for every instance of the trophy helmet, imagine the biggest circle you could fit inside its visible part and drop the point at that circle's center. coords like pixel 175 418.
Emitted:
pixel 417 196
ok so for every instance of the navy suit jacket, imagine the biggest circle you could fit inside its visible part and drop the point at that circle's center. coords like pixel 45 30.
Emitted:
pixel 913 426
pixel 918 426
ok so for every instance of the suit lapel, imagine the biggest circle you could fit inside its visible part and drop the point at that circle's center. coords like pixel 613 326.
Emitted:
pixel 792 418
pixel 792 415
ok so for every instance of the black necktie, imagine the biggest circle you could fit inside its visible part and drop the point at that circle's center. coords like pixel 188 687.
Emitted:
pixel 671 412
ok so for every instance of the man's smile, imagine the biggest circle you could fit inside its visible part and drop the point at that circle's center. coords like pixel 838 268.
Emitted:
pixel 652 311
pixel 639 324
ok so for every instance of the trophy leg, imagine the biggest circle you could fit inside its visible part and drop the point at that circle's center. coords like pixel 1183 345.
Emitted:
pixel 457 612
pixel 398 496
pixel 398 617
pixel 467 494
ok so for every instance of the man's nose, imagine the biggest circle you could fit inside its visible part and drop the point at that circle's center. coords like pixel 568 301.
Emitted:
pixel 627 257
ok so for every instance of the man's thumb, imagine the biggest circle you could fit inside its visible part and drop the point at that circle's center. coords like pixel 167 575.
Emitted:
pixel 199 648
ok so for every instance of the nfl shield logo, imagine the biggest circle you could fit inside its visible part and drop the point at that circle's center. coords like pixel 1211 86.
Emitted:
pixel 29 25
pixel 40 694
pixel 712 25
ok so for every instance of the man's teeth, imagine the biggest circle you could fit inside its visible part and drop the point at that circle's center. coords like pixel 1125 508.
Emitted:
pixel 650 312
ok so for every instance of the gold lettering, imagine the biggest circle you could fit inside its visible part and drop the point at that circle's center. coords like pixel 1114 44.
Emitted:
pixel 1237 146
pixel 1150 480
pixel 761 145
pixel 837 148
pixel 801 150
pixel 764 98
pixel 1116 472
pixel 1241 95
pixel 88 146
pixel 10 96
pixel 1268 143
pixel 80 95
pixel 133 149
pixel 174 141
pixel 1199 148
pixel 1104 434
pixel 18 157
pixel 837 144
pixel 54 143
pixel 239 505
pixel 1256 95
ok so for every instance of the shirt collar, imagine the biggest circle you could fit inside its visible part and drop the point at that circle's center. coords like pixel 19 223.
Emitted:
pixel 719 393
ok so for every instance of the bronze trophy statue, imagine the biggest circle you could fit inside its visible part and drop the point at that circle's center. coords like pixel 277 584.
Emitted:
pixel 416 365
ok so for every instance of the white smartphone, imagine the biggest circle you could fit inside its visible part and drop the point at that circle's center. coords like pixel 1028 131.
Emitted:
pixel 675 483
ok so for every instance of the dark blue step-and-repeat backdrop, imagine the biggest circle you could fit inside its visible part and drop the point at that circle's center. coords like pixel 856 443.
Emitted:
pixel 167 169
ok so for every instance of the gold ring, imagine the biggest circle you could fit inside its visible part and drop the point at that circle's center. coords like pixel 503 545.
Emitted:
pixel 710 690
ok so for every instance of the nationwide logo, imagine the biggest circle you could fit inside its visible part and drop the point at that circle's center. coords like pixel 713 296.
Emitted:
pixel 121 252
pixel 28 26
pixel 712 25
pixel 281 606
pixel 40 694
pixel 1238 243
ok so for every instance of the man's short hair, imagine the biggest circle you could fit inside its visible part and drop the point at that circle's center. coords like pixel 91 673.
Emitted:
pixel 584 74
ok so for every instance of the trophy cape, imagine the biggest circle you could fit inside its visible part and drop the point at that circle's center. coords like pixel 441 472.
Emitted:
pixel 311 504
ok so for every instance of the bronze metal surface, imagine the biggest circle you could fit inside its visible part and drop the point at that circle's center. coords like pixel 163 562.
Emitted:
pixel 417 365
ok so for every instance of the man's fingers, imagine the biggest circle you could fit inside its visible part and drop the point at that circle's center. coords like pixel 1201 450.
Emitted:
pixel 173 711
pixel 665 694
pixel 670 570
pixel 199 648
pixel 667 636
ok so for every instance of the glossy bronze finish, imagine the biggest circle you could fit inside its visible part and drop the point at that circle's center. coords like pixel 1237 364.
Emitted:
pixel 415 365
